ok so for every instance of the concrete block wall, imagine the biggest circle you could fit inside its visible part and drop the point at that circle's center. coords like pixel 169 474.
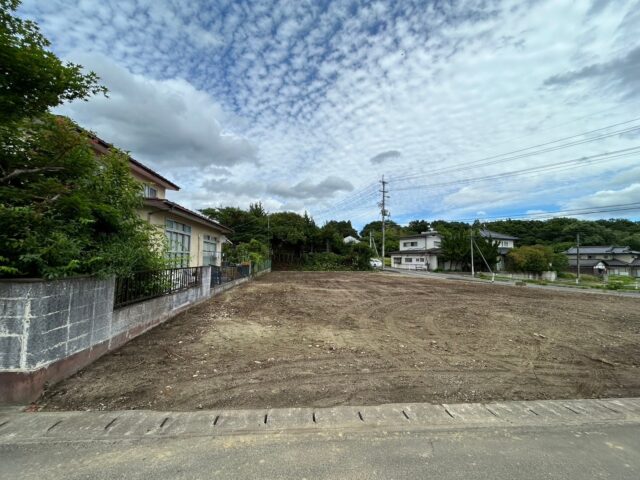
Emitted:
pixel 42 322
pixel 51 329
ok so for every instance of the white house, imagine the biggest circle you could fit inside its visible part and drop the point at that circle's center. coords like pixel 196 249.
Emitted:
pixel 422 252
pixel 599 260
pixel 349 239
pixel 418 252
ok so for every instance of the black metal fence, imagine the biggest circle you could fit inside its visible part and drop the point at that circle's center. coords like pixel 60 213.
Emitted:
pixel 143 286
pixel 228 273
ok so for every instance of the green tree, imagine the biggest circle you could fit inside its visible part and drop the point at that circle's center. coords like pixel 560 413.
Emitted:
pixel 393 232
pixel 65 211
pixel 247 225
pixel 417 226
pixel 456 248
pixel 32 78
pixel 533 258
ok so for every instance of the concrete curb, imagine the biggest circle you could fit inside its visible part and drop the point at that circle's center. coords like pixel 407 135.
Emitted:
pixel 137 424
pixel 509 283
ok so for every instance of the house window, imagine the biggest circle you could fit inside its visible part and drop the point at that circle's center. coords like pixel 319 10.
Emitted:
pixel 408 260
pixel 409 244
pixel 436 243
pixel 397 260
pixel 421 259
pixel 209 250
pixel 179 239
pixel 150 192
pixel 504 243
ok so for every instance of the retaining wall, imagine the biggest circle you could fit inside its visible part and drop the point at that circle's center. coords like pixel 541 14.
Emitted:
pixel 51 329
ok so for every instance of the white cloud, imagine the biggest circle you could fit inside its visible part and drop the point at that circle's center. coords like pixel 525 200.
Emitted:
pixel 315 91
pixel 166 122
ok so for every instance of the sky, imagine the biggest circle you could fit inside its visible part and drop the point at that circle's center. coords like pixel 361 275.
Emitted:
pixel 305 105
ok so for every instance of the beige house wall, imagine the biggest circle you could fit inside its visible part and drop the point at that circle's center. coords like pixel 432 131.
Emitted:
pixel 162 194
pixel 198 231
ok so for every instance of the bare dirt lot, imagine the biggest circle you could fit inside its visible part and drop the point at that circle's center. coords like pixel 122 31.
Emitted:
pixel 323 339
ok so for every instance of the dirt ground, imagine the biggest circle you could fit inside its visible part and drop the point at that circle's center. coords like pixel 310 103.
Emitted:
pixel 322 339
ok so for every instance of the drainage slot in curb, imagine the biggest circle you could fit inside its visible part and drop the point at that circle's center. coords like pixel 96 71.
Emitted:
pixel 110 424
pixel 571 410
pixel 313 417
pixel 448 412
pixel 266 416
pixel 215 421
pixel 405 415
pixel 54 426
pixel 533 412
pixel 491 411
pixel 360 415
pixel 609 408
pixel 164 422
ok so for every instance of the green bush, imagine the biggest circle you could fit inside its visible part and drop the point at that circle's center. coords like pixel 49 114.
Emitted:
pixel 567 275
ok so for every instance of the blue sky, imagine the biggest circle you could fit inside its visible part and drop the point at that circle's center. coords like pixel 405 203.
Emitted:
pixel 304 105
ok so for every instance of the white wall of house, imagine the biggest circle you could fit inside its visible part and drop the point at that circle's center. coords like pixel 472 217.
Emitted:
pixel 505 243
pixel 420 243
pixel 414 262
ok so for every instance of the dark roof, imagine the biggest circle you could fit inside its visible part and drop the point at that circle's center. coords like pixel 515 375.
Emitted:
pixel 616 263
pixel 168 206
pixel 416 252
pixel 584 263
pixel 98 142
pixel 422 235
pixel 602 250
pixel 168 183
pixel 495 235
pixel 573 262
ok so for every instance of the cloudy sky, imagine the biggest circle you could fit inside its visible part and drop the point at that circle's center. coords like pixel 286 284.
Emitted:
pixel 306 104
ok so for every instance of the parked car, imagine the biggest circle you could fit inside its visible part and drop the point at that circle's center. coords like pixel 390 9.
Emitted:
pixel 375 263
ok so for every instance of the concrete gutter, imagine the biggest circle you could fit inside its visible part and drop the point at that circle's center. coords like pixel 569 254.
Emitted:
pixel 16 428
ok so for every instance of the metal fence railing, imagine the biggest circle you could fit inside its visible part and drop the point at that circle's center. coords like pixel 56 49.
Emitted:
pixel 261 266
pixel 228 273
pixel 143 286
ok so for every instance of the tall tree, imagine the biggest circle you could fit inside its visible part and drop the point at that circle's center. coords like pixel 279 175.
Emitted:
pixel 32 78
pixel 65 211
pixel 62 210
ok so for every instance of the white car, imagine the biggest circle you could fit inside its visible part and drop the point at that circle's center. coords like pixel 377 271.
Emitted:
pixel 375 263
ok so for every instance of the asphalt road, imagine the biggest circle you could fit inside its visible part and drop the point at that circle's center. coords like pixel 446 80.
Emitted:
pixel 606 451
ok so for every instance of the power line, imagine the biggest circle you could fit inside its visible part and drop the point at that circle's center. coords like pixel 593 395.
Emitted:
pixel 353 201
pixel 556 166
pixel 495 159
pixel 623 207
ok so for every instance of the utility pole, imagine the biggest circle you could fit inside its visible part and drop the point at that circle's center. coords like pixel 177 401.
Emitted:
pixel 473 271
pixel 383 213
pixel 578 258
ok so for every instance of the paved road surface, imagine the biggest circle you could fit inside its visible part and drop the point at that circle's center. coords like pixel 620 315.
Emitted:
pixel 575 439
pixel 584 452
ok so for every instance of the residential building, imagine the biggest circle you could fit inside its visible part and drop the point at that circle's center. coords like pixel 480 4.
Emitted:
pixel 349 240
pixel 600 260
pixel 423 251
pixel 193 239
pixel 505 244
pixel 418 252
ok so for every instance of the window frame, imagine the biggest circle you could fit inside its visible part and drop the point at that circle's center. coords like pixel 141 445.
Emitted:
pixel 178 235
